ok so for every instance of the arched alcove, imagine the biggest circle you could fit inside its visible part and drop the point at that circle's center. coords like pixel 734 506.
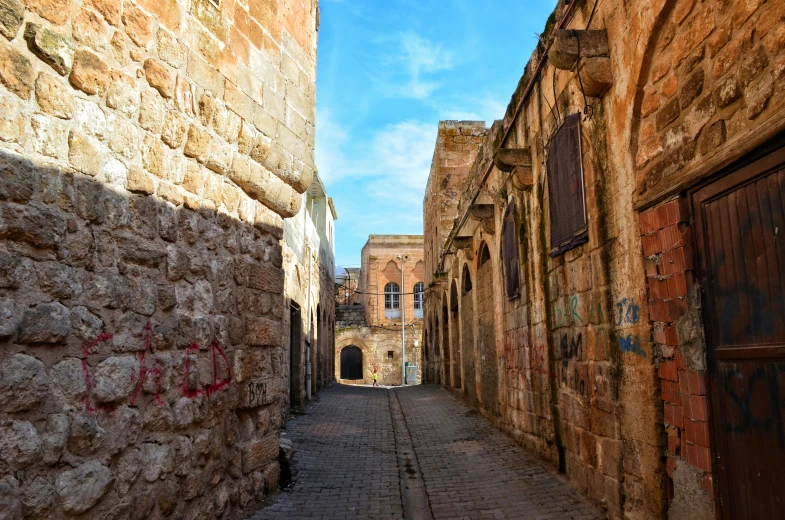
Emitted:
pixel 351 363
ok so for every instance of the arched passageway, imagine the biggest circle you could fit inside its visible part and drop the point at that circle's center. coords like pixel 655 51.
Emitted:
pixel 487 333
pixel 351 363
pixel 467 338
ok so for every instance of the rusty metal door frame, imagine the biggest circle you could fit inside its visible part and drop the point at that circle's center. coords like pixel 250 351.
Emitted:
pixel 743 171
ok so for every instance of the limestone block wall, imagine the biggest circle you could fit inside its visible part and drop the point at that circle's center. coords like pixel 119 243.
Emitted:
pixel 148 152
pixel 601 357
pixel 381 348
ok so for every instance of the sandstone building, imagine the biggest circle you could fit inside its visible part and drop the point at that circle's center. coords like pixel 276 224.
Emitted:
pixel 603 269
pixel 309 264
pixel 150 151
pixel 368 335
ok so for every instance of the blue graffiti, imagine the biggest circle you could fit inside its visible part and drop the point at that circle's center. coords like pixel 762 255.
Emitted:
pixel 629 312
pixel 631 344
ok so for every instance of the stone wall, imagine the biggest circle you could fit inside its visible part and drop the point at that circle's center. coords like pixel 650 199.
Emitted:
pixel 149 150
pixel 381 348
pixel 601 356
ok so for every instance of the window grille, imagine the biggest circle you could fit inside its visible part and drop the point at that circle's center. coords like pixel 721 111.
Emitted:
pixel 567 205
pixel 392 300
pixel 419 299
pixel 510 252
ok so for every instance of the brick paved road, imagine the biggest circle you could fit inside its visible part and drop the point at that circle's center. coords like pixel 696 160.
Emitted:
pixel 348 467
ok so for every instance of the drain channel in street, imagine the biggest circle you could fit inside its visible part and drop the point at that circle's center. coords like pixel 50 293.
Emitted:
pixel 413 494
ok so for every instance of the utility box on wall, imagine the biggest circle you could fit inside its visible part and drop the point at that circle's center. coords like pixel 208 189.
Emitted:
pixel 411 375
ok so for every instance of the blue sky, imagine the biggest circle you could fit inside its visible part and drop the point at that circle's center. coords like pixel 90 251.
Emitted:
pixel 388 71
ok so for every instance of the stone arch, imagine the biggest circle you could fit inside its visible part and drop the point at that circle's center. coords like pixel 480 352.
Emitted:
pixel 486 331
pixel 351 363
pixel 356 340
pixel 467 336
pixel 444 333
pixel 455 337
pixel 704 93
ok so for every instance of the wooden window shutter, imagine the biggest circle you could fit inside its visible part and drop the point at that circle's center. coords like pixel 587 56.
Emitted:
pixel 567 204
pixel 510 252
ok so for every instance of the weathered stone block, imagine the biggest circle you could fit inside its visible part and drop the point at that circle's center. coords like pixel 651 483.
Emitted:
pixel 258 454
pixel 174 128
pixel 90 73
pixel 152 111
pixel 157 460
pixel 198 144
pixel 262 332
pixel 53 48
pixel 83 153
pixel 23 384
pixel 16 71
pixel 90 29
pixel 81 488
pixel 122 94
pixel 159 77
pixel 56 11
pixel 8 321
pixel 53 97
pixel 12 14
pixel 138 26
pixel 19 444
pixel 86 436
pixel 45 323
pixel 54 438
pixel 115 379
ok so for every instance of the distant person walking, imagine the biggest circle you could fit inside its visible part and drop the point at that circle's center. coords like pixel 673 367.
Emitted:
pixel 374 379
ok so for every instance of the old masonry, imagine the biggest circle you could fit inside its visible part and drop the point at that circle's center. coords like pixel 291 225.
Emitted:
pixel 604 264
pixel 166 253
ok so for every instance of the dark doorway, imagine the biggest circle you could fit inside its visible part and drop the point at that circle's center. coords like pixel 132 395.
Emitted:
pixel 351 363
pixel 487 333
pixel 467 339
pixel 296 381
pixel 741 258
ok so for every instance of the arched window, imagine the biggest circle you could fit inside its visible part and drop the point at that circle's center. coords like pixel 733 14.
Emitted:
pixel 419 299
pixel 392 300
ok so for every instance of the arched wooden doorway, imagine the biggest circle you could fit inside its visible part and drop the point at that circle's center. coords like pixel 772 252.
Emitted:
pixel 467 338
pixel 487 333
pixel 351 363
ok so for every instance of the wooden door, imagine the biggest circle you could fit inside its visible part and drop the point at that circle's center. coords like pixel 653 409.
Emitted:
pixel 740 223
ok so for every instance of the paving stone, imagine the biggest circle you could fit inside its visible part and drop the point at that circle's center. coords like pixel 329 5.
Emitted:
pixel 346 466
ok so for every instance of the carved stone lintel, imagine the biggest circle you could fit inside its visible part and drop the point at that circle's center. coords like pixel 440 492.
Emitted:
pixel 522 178
pixel 507 159
pixel 569 43
pixel 596 76
pixel 489 225
pixel 481 211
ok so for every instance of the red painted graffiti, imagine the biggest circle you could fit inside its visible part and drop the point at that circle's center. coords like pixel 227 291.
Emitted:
pixel 216 384
pixel 156 371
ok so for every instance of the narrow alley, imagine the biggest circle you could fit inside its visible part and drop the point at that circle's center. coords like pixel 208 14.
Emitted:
pixel 346 464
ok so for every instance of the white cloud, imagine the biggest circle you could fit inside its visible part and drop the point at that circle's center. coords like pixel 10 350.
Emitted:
pixel 410 69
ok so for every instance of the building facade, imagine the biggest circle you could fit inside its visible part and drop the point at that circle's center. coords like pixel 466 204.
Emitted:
pixel 602 262
pixel 368 335
pixel 150 152
pixel 309 264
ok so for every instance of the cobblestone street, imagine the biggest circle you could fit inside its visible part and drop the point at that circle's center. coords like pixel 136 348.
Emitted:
pixel 347 467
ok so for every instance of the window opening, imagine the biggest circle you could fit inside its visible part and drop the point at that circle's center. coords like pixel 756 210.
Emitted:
pixel 567 205
pixel 390 354
pixel 392 301
pixel 510 253
pixel 467 280
pixel 419 299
